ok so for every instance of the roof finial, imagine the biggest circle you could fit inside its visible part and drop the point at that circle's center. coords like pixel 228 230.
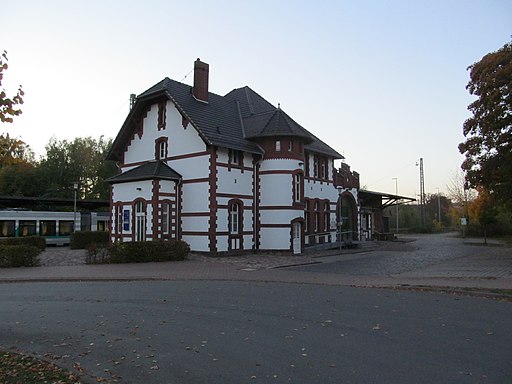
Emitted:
pixel 278 105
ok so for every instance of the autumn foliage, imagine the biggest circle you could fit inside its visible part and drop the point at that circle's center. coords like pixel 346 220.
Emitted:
pixel 8 105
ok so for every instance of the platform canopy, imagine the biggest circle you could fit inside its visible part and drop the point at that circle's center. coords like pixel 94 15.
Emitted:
pixel 380 200
pixel 29 202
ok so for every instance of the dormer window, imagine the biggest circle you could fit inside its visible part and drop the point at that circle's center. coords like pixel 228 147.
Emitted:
pixel 235 157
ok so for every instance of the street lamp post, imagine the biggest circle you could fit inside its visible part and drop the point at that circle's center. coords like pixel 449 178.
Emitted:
pixel 396 194
pixel 75 189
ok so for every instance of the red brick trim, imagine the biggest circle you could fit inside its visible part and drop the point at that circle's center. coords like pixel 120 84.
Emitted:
pixel 262 225
pixel 195 214
pixel 256 203
pixel 213 179
pixel 156 230
pixel 278 172
pixel 189 155
pixel 277 208
pixel 201 180
pixel 194 233
pixel 234 195
pixel 232 166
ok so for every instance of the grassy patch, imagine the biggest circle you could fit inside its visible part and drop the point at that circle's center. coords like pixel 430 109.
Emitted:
pixel 21 369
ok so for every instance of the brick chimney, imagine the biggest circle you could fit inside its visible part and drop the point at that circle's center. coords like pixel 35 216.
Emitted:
pixel 200 89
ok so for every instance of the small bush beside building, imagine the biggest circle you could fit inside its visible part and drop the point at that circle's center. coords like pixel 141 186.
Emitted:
pixel 87 239
pixel 21 255
pixel 139 252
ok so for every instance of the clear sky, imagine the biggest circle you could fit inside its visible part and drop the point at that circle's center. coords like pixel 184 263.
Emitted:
pixel 382 82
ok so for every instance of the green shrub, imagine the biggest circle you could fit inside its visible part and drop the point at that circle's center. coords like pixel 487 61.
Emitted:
pixel 35 241
pixel 139 252
pixel 84 239
pixel 18 255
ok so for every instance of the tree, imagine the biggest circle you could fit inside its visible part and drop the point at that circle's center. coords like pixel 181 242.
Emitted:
pixel 82 161
pixel 8 105
pixel 458 190
pixel 488 145
pixel 484 211
pixel 14 151
pixel 21 179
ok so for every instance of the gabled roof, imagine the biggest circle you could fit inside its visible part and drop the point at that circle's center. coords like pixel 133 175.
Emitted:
pixel 150 170
pixel 274 123
pixel 231 121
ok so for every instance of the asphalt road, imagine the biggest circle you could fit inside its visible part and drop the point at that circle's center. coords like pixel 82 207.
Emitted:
pixel 240 332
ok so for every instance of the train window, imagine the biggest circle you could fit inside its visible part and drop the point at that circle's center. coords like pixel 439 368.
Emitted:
pixel 7 228
pixel 65 227
pixel 48 228
pixel 27 227
pixel 102 225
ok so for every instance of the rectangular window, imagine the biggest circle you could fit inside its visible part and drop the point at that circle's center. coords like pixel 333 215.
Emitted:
pixel 306 216
pixel 7 228
pixel 278 145
pixel 48 228
pixel 327 215
pixel 233 219
pixel 161 115
pixel 322 169
pixel 126 220
pixel 27 227
pixel 102 226
pixel 290 146
pixel 315 166
pixel 165 218
pixel 235 157
pixel 297 190
pixel 161 150
pixel 66 227
pixel 119 222
pixel 317 217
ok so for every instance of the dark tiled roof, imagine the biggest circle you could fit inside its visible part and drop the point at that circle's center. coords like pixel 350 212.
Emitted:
pixel 150 170
pixel 276 123
pixel 225 121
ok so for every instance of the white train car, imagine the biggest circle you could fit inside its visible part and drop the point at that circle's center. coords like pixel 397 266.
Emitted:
pixel 55 227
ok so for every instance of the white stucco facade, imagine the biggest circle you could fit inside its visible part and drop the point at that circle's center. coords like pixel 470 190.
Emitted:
pixel 221 192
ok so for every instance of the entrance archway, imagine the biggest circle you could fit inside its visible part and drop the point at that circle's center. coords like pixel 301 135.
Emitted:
pixel 346 216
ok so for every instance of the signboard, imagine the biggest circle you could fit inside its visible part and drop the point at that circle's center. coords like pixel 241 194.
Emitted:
pixel 463 221
pixel 126 220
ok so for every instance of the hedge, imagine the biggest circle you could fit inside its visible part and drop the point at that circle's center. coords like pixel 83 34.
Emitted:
pixel 19 255
pixel 139 252
pixel 36 241
pixel 86 239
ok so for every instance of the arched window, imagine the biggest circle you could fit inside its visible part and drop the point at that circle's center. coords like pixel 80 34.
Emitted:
pixel 140 220
pixel 234 218
pixel 297 181
pixel 165 218
pixel 161 148
pixel 327 216
pixel 235 224
pixel 306 216
pixel 317 216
